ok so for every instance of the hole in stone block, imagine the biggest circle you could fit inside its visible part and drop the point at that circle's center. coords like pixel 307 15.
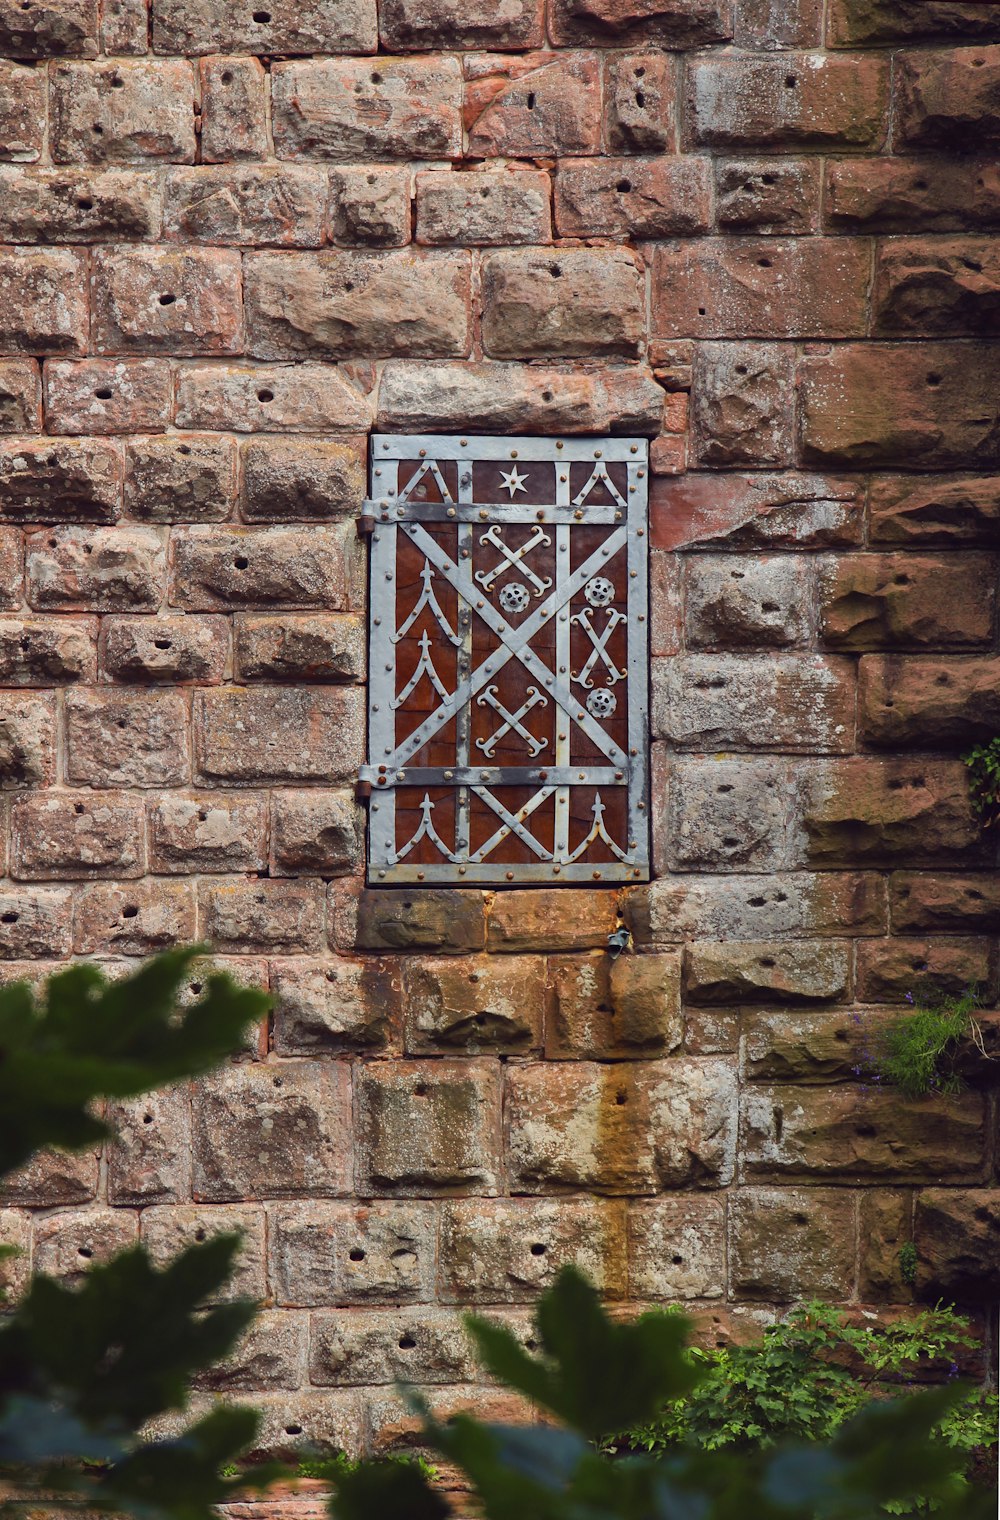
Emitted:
pixel 741 369
pixel 196 988
pixel 262 17
pixel 770 179
pixel 226 77
pixel 763 263
pixel 640 99
pixel 676 1259
pixel 130 912
pixel 265 395
pixel 161 643
pixel 104 394
pixel 701 311
pixel 920 184
pixel 85 1252
pixel 530 102
pixel 97 129
pixel 147 1118
pixel 9 918
pixel 420 1091
pixel 555 271
pixel 241 563
pixel 790 81
pixel 769 607
pixel 767 962
pixel 546 395
pixel 779 1123
pixel 357 1254
pixel 78 808
pixel 933 379
pixel 624 185
pixel 167 300
pixel 376 78
pixel 406 1343
pixel 85 203
pixel 621 1097
pixel 184 448
pixel 293 1430
pixel 200 1235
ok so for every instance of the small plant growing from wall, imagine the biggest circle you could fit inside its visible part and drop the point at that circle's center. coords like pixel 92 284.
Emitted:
pixel 983 762
pixel 921 1052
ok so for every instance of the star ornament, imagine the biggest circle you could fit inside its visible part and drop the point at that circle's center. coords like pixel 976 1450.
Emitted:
pixel 512 481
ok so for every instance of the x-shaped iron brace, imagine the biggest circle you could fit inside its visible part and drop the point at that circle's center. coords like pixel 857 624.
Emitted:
pixel 511 721
pixel 600 649
pixel 514 557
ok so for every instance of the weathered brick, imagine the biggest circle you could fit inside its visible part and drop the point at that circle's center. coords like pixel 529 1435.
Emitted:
pixel 948 99
pixel 126 737
pixel 27 739
pixel 769 288
pixel 772 971
pixel 551 919
pixel 767 195
pixel 289 26
pixel 428 1126
pixel 633 197
pixel 757 510
pixel 281 734
pixel 60 27
pixel 344 303
pixel 621 1008
pixel 567 304
pixel 943 509
pixel 125 26
pixel 418 24
pixel 46 652
pixel 246 916
pixel 182 477
pixel 139 919
pixel 175 650
pixel 22 112
pixel 370 205
pixel 215 831
pixel 807 100
pixel 352 108
pixel 540 103
pixel 55 479
pixel 726 815
pixel 335 1005
pixel 372 1346
pixel 280 205
pixel 852 1134
pixel 323 648
pixel 315 832
pixel 94 569
pixel 322 1421
pixel 483 209
pixel 167 1229
pixel 150 1160
pixel 780 905
pixel 448 922
pixel 669 23
pixel 66 1244
pixel 77 205
pixel 798 702
pixel 741 403
pixel 956 1234
pixel 158 300
pixel 345 1253
pixel 509 1250
pixel 395 1429
pixel 907 194
pixel 640 102
pixel 20 395
pixel 53 1179
pixel 877 812
pixel 309 398
pixel 106 395
pixel 299 479
pixel 481 1004
pixel 810 1046
pixel 947 287
pixel 60 837
pixel 889 970
pixel 518 398
pixel 742 600
pixel 852 21
pixel 246 567
pixel 272 1353
pixel 43 301
pixel 773 24
pixel 273 1131
pixel 125 112
pixel 924 901
pixel 35 922
pixel 233 115
pixel 677 1247
pixel 931 701
pixel 11 568
pixel 898 601
pixel 900 404
pixel 792 1243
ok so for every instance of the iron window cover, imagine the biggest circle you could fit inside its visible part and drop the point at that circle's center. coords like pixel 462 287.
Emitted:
pixel 508 665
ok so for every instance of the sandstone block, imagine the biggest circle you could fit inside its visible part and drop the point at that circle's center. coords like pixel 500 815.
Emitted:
pixel 677 1247
pixel 518 398
pixel 537 104
pixel 322 648
pixel 22 112
pixel 174 650
pixel 247 916
pixel 20 395
pixel 47 652
pixel 551 919
pixel 448 922
pixel 139 919
pixel 428 1126
pixel 183 477
pixel 34 922
pixel 767 972
pixel 43 301
pixel 69 1242
pixel 864 1135
pixel 664 603
pixel 418 24
pixel 233 119
pixel 769 25
pixel 318 1420
pixel 910 194
pixel 884 21
pixel 272 1353
pixel 107 395
pixel 123 111
pixel 741 408
pixel 231 568
pixel 11 568
pixel 792 1244
pixel 68 27
pixel 53 1179
pixel 370 205
pixel 888 970
pixel 956 1234
pixel 780 905
pixel 281 734
pixel 930 701
pixel 479 1004
pixel 949 287
pixel 335 1005
pixel 319 833
pixel 309 398
pixel 624 1008
pixel 621 1129
pixel 897 811
pixel 279 205
pixel 27 740
pixel 900 404
pixel 797 100
pixel 184 26
pixel 346 303
pixel 759 510
pixel 741 600
pixel 727 815
pixel 812 1046
pixel 749 287
pixel 372 1346
pixel 161 300
pixel 15 1236
pixel 168 1229
pixel 347 108
pixel 150 1161
pixel 640 104
pixel 921 900
pixel 77 205
pixel 345 1253
pixel 896 601
pixel 126 738
pixel 124 26
pixel 298 479
pixel 75 835
pixel 55 479
pixel 948 99
pixel 483 209
pixel 633 197
pixel 935 510
pixel 576 303
pixel 666 22
pixel 218 831
pixel 509 1250
pixel 396 1430
pixel 272 1131
pixel 798 702
pixel 767 195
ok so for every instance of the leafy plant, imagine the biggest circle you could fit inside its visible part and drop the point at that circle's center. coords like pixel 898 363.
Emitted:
pixel 983 762
pixel 919 1052
pixel 593 1373
pixel 907 1258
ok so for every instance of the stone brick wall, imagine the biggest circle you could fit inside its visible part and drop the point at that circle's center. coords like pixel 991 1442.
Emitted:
pixel 235 240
